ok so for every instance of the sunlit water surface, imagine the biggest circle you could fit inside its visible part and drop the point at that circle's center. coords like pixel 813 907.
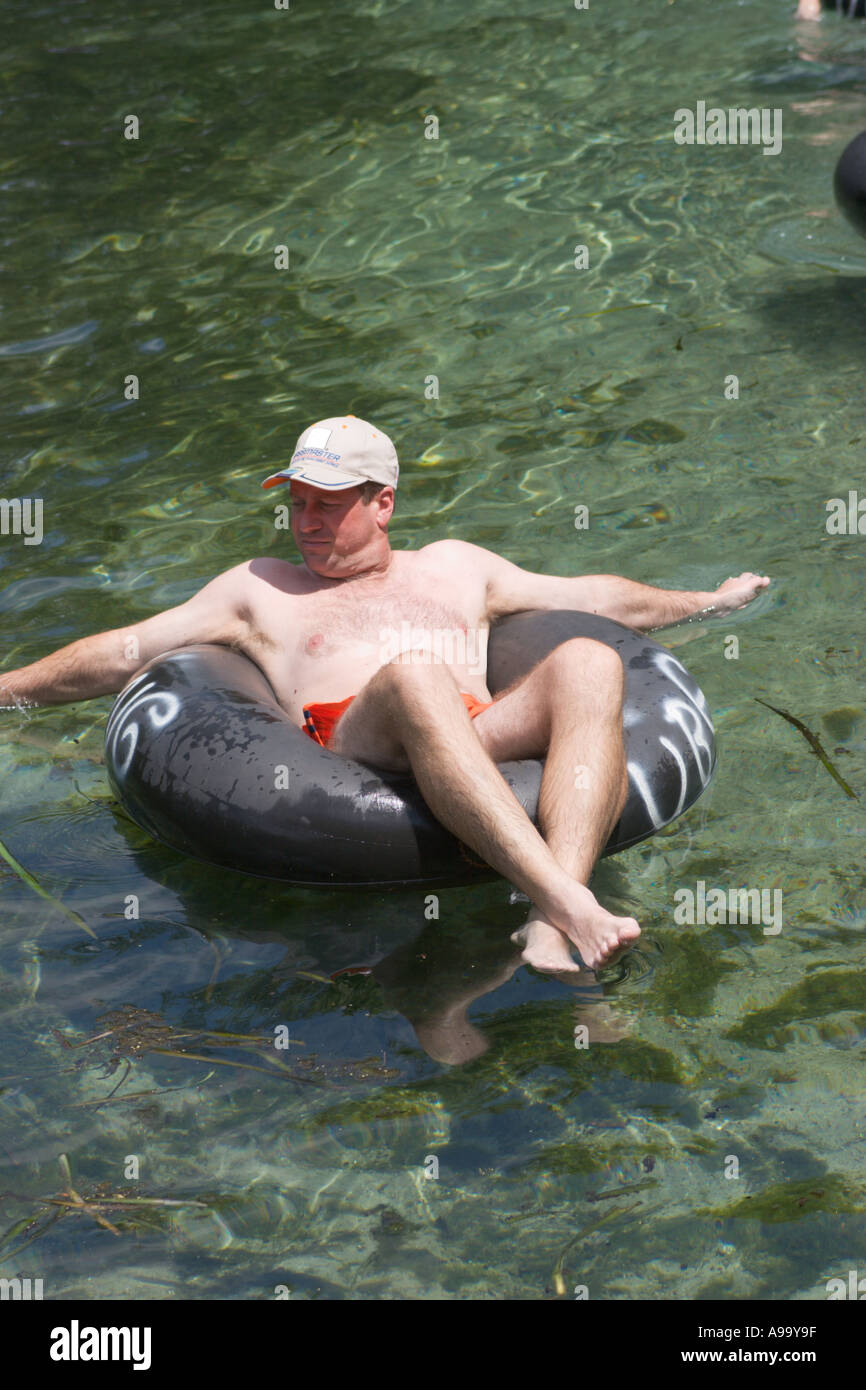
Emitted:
pixel 306 1168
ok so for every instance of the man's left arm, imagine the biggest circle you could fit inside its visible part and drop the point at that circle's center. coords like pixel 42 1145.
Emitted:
pixel 511 589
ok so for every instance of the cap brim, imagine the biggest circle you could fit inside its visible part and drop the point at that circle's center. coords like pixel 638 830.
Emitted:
pixel 330 480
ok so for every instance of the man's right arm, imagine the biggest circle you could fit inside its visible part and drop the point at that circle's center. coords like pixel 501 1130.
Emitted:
pixel 102 664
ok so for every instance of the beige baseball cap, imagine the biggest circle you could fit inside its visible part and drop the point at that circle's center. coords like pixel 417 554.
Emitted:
pixel 342 451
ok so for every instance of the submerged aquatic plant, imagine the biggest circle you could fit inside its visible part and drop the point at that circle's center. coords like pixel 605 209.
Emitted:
pixel 28 878
pixel 814 743
pixel 99 1200
pixel 136 1031
pixel 791 1201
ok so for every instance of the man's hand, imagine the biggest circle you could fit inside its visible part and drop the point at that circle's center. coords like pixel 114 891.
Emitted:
pixel 737 592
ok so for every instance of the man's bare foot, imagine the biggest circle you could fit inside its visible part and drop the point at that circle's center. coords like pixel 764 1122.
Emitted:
pixel 597 934
pixel 809 9
pixel 545 947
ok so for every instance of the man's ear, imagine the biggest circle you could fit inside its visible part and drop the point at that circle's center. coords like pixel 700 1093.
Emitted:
pixel 385 501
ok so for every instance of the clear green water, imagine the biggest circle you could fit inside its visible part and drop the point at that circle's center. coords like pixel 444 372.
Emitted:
pixel 605 386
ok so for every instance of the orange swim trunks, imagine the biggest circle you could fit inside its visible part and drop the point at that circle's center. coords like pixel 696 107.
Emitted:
pixel 321 720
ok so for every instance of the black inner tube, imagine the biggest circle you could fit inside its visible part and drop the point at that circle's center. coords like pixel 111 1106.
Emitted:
pixel 849 183
pixel 203 757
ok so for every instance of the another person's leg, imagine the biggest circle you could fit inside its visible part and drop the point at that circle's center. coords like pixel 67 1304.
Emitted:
pixel 412 715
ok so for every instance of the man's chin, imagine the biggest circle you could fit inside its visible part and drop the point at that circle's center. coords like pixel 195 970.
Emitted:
pixel 320 559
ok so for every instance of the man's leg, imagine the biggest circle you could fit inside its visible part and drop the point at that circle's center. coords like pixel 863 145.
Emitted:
pixel 412 714
pixel 585 782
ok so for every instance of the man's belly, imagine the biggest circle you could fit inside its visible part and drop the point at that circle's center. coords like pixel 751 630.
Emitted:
pixel 308 679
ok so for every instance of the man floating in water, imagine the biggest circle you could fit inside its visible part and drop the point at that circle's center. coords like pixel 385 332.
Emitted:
pixel 323 632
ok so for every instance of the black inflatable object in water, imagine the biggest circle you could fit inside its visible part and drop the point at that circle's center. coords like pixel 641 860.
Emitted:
pixel 849 182
pixel 203 757
pixel 852 9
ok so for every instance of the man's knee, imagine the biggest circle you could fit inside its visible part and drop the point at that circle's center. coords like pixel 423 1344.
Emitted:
pixel 390 709
pixel 413 670
pixel 590 661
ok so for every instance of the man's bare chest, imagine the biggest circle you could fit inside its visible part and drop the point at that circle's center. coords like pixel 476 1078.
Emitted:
pixel 368 613
pixel 325 644
pixel 353 615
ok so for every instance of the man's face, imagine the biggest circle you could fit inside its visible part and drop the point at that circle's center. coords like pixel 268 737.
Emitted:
pixel 333 530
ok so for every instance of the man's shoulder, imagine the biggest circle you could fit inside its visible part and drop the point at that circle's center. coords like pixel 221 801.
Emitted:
pixel 459 554
pixel 268 570
pixel 250 583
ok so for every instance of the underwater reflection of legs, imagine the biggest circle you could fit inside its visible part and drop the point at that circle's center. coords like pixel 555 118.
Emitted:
pixel 603 1022
pixel 432 984
pixel 433 980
